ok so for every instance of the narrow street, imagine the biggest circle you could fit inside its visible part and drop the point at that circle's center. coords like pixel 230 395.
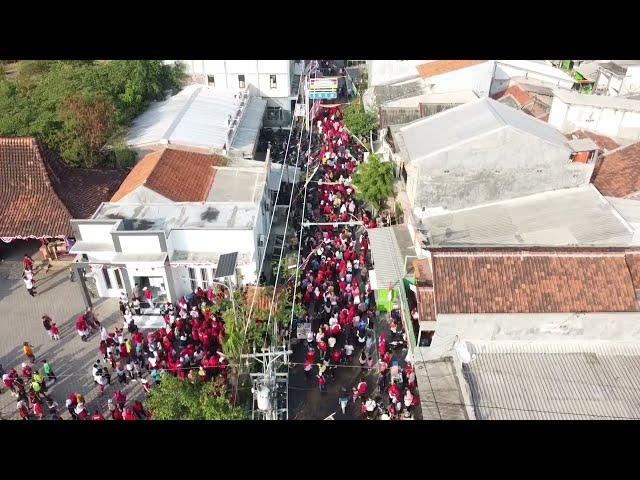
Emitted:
pixel 331 284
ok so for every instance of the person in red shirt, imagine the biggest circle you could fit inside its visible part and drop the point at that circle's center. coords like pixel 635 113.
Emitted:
pixel 116 414
pixel 27 262
pixel 129 414
pixel 97 416
pixel 323 347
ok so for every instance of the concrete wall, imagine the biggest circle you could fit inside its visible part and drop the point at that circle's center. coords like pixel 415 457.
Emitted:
pixel 476 78
pixel 256 72
pixel 631 82
pixel 143 194
pixel 140 243
pixel 606 121
pixel 388 71
pixel 501 165
pixel 523 68
pixel 222 241
pixel 619 326
pixel 98 233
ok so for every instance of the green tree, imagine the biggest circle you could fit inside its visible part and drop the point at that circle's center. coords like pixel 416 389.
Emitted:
pixel 358 121
pixel 175 399
pixel 374 182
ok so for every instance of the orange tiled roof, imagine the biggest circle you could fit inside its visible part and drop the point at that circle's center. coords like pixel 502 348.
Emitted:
pixel 179 175
pixel 604 143
pixel 520 96
pixel 426 304
pixel 438 67
pixel 618 174
pixel 535 283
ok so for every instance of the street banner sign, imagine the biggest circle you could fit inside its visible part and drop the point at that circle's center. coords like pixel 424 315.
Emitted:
pixel 325 84
pixel 322 95
pixel 300 110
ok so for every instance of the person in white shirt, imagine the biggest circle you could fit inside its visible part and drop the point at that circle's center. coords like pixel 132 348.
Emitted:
pixel 28 282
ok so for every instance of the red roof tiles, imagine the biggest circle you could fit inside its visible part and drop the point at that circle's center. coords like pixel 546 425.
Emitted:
pixel 438 67
pixel 618 174
pixel 39 194
pixel 519 95
pixel 604 143
pixel 535 283
pixel 633 263
pixel 426 304
pixel 179 175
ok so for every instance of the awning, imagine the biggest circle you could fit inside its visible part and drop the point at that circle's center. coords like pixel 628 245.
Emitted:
pixel 387 259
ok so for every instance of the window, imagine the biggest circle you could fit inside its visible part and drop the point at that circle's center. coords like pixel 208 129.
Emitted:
pixel 211 80
pixel 192 279
pixel 118 278
pixel 241 83
pixel 204 273
pixel 274 114
pixel 107 279
pixel 273 83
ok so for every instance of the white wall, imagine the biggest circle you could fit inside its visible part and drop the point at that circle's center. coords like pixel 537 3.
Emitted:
pixel 140 244
pixel 631 82
pixel 501 165
pixel 606 121
pixel 387 71
pixel 256 72
pixel 476 78
pixel 524 68
pixel 622 326
pixel 222 241
pixel 97 233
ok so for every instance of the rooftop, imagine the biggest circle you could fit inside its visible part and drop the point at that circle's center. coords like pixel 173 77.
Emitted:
pixel 198 117
pixel 563 381
pixel 438 67
pixel 618 174
pixel 39 193
pixel 604 143
pixel 572 216
pixel 167 217
pixel 525 282
pixel 597 101
pixel 460 124
pixel 177 175
pixel 539 66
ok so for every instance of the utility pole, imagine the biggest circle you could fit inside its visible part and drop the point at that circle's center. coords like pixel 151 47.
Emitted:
pixel 270 387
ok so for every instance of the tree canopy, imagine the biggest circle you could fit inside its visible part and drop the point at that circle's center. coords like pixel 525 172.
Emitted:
pixel 176 399
pixel 358 120
pixel 374 182
pixel 77 107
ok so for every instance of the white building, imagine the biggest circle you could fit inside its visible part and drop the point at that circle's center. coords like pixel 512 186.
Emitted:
pixel 275 80
pixel 530 70
pixel 532 295
pixel 201 119
pixel 483 152
pixel 173 218
pixel 617 77
pixel 614 117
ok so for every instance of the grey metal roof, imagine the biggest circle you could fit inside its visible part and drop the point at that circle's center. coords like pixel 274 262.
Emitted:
pixel 564 381
pixel 598 101
pixel 246 136
pixel 386 93
pixel 226 265
pixel 573 216
pixel 196 116
pixel 615 68
pixel 387 258
pixel 628 208
pixel 460 124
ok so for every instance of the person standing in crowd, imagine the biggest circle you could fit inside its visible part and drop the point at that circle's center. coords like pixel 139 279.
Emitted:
pixel 27 348
pixel 46 322
pixel 29 284
pixel 48 371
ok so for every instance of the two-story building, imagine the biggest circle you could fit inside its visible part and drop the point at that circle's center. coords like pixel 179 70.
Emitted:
pixel 274 80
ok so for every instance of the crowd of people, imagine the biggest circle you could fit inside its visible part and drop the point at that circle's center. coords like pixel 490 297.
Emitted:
pixel 335 286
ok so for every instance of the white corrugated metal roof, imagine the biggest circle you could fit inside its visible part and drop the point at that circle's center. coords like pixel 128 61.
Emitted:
pixel 597 101
pixel 460 124
pixel 539 66
pixel 562 381
pixel 249 129
pixel 387 258
pixel 197 116
pixel 572 216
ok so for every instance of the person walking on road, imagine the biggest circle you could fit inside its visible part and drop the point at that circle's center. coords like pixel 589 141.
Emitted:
pixel 27 348
pixel 46 322
pixel 48 371
pixel 55 333
pixel 29 283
